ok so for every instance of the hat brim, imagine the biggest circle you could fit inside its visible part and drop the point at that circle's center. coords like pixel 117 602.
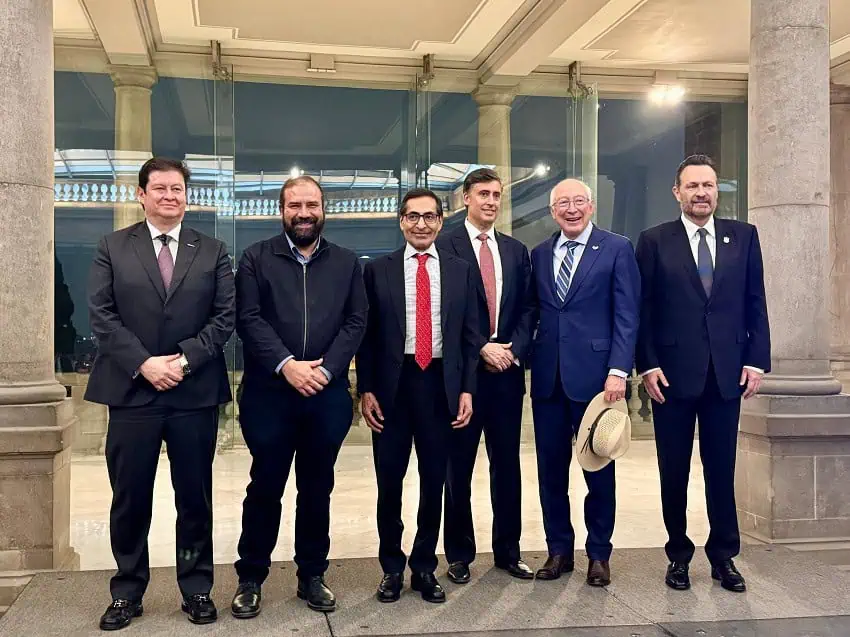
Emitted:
pixel 588 460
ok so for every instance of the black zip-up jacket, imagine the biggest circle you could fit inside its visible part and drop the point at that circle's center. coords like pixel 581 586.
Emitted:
pixel 311 311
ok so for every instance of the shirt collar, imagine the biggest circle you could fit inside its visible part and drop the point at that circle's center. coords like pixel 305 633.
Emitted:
pixel 294 248
pixel 582 239
pixel 691 228
pixel 410 251
pixel 474 232
pixel 174 233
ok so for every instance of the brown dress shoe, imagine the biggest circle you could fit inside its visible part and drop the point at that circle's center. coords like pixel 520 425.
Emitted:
pixel 598 573
pixel 555 566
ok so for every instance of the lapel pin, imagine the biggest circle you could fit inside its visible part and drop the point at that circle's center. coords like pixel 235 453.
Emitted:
pixel 596 247
pixel 725 239
pixel 192 245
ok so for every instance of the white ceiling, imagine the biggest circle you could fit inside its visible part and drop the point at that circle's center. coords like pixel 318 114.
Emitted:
pixel 496 38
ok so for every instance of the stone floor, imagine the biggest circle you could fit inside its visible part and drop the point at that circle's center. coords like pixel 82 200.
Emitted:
pixel 789 595
pixel 353 522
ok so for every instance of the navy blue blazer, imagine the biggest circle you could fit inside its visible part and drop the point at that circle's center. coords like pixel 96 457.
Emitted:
pixel 596 327
pixel 682 329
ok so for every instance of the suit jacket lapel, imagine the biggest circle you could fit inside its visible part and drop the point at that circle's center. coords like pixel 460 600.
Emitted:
pixel 143 245
pixel 726 251
pixel 588 258
pixel 446 282
pixel 188 246
pixel 463 247
pixel 681 243
pixel 395 283
pixel 548 265
pixel 507 270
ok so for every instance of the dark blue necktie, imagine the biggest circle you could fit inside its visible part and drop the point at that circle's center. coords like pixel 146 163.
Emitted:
pixel 705 267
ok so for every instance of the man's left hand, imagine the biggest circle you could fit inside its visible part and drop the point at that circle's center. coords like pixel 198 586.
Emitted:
pixel 464 411
pixel 752 380
pixel 615 388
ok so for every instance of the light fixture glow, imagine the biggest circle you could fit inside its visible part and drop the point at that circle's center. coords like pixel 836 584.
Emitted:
pixel 295 172
pixel 666 94
pixel 541 170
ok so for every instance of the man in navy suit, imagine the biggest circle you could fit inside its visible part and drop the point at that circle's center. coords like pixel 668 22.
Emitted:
pixel 588 289
pixel 704 327
pixel 501 270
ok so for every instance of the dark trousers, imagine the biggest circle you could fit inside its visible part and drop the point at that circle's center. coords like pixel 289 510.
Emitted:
pixel 133 443
pixel 718 437
pixel 556 420
pixel 278 424
pixel 420 416
pixel 498 413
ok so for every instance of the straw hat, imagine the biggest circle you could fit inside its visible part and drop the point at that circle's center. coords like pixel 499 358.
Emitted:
pixel 604 433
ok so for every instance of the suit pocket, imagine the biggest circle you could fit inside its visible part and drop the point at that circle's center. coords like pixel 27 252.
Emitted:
pixel 600 344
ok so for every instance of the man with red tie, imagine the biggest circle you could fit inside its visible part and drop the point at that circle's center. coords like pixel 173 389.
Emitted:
pixel 416 372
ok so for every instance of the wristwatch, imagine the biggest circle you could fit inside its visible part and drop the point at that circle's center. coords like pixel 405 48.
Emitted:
pixel 184 365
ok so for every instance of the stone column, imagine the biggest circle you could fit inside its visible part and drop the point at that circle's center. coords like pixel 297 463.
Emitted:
pixel 494 142
pixel 132 126
pixel 795 438
pixel 34 415
pixel 839 226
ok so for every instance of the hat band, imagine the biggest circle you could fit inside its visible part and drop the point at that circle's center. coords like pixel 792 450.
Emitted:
pixel 588 444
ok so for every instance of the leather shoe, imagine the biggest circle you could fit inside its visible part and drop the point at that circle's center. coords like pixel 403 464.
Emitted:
pixel 458 572
pixel 677 576
pixel 120 613
pixel 598 573
pixel 389 590
pixel 728 575
pixel 517 568
pixel 246 601
pixel 200 609
pixel 430 588
pixel 319 597
pixel 555 566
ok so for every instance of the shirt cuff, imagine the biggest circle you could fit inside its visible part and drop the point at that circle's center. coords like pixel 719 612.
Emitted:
pixel 649 371
pixel 327 374
pixel 617 372
pixel 282 363
pixel 755 369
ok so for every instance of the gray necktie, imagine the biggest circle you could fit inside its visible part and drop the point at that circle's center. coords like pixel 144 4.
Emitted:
pixel 705 268
pixel 165 262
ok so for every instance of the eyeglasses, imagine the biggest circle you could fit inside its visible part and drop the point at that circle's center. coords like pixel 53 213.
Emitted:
pixel 564 204
pixel 413 218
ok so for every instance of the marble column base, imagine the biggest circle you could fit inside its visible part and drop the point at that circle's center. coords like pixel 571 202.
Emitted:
pixel 794 467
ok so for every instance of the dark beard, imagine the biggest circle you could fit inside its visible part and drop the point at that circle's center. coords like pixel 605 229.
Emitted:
pixel 304 237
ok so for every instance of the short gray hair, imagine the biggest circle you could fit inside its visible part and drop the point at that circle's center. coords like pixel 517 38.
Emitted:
pixel 586 188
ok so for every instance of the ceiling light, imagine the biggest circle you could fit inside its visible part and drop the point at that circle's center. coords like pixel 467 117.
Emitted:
pixel 541 170
pixel 666 90
pixel 295 172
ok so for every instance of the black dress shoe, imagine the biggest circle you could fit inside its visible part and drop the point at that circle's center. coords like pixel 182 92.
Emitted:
pixel 319 597
pixel 430 588
pixel 389 590
pixel 729 577
pixel 200 609
pixel 458 572
pixel 517 568
pixel 677 576
pixel 555 566
pixel 598 573
pixel 246 601
pixel 120 613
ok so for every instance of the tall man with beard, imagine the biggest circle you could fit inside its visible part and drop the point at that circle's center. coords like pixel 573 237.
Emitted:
pixel 301 314
pixel 704 342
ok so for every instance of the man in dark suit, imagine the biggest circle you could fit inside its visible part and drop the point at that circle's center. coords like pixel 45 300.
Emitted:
pixel 704 327
pixel 161 303
pixel 416 374
pixel 588 290
pixel 501 272
pixel 301 314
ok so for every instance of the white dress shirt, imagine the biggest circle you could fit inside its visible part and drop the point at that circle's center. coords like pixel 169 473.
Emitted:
pixel 474 233
pixel 692 232
pixel 558 256
pixel 432 265
pixel 173 239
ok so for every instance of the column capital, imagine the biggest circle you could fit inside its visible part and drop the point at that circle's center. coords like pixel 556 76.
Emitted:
pixel 129 75
pixel 839 94
pixel 494 95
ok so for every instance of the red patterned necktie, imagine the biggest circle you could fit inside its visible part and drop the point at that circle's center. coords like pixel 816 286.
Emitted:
pixel 488 275
pixel 424 352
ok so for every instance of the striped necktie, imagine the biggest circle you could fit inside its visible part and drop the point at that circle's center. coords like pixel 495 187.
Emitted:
pixel 562 283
